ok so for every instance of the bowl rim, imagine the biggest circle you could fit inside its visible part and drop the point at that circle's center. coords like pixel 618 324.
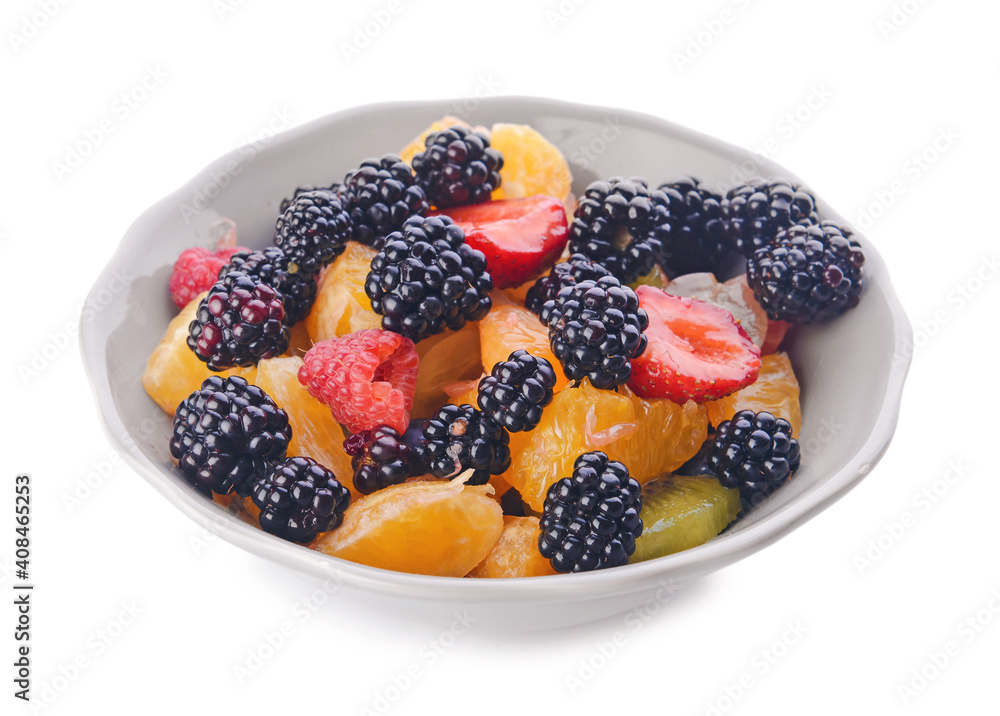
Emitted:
pixel 663 571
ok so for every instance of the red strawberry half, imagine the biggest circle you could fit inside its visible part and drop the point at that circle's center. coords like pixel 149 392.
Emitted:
pixel 520 237
pixel 695 351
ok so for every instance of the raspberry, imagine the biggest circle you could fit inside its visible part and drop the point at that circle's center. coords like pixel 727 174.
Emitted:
pixel 517 390
pixel 367 378
pixel 591 520
pixel 196 270
pixel 299 499
pixel 460 438
pixel 754 452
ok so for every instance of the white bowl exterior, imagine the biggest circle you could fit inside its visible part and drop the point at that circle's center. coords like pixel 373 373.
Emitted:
pixel 852 369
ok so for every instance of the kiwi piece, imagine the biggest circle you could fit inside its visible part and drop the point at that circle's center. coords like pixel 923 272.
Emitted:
pixel 681 512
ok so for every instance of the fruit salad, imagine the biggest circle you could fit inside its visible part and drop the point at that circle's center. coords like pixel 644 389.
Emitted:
pixel 447 364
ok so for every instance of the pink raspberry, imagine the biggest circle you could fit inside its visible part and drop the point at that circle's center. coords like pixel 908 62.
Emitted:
pixel 367 378
pixel 196 270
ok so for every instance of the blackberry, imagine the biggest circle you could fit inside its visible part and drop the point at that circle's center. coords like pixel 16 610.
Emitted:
pixel 271 265
pixel 754 452
pixel 239 322
pixel 592 519
pixel 595 329
pixel 379 196
pixel 299 191
pixel 811 273
pixel 426 278
pixel 458 167
pixel 699 238
pixel 313 230
pixel 299 499
pixel 622 225
pixel 227 434
pixel 380 457
pixel 460 438
pixel 517 389
pixel 758 210
pixel 567 273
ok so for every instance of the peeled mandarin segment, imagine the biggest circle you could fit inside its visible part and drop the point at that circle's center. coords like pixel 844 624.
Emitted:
pixel 776 391
pixel 445 358
pixel 464 392
pixel 531 164
pixel 516 552
pixel 315 433
pixel 508 327
pixel 650 436
pixel 299 341
pixel 442 529
pixel 342 306
pixel 679 513
pixel 173 371
pixel 735 296
pixel 418 144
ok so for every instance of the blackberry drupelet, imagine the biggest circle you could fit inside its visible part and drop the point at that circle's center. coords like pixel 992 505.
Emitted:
pixel 517 389
pixel 595 330
pixel 271 265
pixel 313 230
pixel 567 273
pixel 426 278
pixel 227 434
pixel 699 238
pixel 379 196
pixel 458 167
pixel 592 519
pixel 380 458
pixel 811 273
pixel 299 191
pixel 239 322
pixel 754 452
pixel 622 225
pixel 758 210
pixel 299 499
pixel 460 438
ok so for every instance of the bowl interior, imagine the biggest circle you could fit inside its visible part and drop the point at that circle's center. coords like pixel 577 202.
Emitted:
pixel 848 369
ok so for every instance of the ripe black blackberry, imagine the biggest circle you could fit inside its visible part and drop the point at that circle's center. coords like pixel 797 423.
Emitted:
pixel 227 434
pixel 238 323
pixel 313 230
pixel 458 167
pixel 299 499
pixel 595 329
pixel 426 278
pixel 380 457
pixel 517 389
pixel 699 239
pixel 379 196
pixel 811 273
pixel 271 265
pixel 567 273
pixel 621 225
pixel 299 191
pixel 592 519
pixel 758 210
pixel 460 438
pixel 754 452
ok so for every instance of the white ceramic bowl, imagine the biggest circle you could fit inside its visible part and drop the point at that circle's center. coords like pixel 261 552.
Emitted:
pixel 851 370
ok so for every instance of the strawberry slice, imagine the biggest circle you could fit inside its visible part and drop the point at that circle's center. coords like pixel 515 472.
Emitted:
pixel 520 237
pixel 695 351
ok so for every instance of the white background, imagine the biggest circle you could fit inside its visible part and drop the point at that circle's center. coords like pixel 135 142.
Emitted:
pixel 890 84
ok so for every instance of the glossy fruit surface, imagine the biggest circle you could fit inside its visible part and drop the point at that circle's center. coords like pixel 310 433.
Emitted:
pixel 776 390
pixel 532 164
pixel 516 552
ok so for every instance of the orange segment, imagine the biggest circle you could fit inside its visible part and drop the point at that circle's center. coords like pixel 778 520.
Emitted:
pixel 173 371
pixel 342 306
pixel 439 528
pixel 508 327
pixel 315 433
pixel 776 391
pixel 650 436
pixel 516 552
pixel 417 145
pixel 445 358
pixel 531 164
